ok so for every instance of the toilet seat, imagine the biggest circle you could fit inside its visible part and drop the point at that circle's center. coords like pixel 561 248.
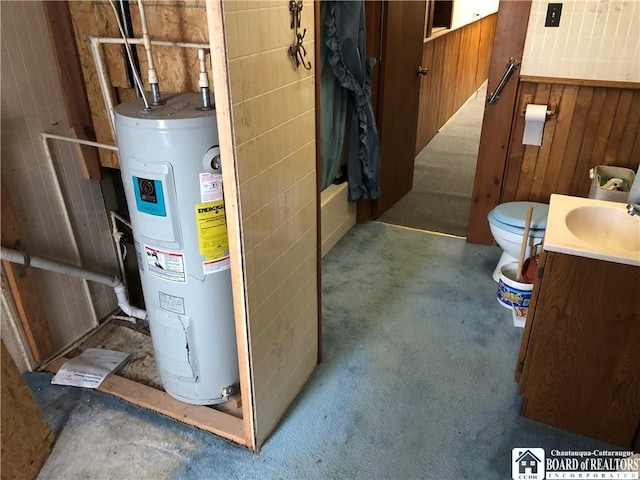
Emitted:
pixel 511 217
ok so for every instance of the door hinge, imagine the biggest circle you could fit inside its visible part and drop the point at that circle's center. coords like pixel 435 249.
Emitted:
pixel 540 272
pixel 521 367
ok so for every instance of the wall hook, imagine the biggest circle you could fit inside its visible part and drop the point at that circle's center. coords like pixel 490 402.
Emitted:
pixel 297 50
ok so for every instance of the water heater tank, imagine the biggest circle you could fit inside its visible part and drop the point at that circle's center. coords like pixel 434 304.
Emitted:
pixel 170 167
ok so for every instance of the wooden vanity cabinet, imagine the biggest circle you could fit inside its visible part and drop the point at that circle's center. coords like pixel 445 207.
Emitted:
pixel 579 361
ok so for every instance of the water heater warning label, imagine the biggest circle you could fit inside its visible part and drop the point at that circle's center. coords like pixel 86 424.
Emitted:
pixel 213 266
pixel 210 187
pixel 212 230
pixel 165 265
pixel 171 303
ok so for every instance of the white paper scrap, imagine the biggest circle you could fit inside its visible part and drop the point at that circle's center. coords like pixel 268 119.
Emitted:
pixel 90 368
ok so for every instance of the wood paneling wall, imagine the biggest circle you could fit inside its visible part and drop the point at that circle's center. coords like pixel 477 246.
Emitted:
pixel 594 125
pixel 458 63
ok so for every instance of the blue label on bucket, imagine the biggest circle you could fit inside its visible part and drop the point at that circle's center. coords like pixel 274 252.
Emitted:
pixel 513 297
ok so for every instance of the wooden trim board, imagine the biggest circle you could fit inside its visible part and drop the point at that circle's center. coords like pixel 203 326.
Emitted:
pixel 222 97
pixel 581 82
pixel 204 418
pixel 317 57
pixel 511 29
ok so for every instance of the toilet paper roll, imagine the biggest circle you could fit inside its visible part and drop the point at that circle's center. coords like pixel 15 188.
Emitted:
pixel 534 119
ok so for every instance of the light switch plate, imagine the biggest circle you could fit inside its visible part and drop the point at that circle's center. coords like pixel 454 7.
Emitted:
pixel 554 10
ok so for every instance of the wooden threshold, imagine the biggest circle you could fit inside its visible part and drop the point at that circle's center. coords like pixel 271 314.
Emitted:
pixel 204 418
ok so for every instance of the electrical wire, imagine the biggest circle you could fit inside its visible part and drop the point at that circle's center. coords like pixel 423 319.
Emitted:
pixel 130 56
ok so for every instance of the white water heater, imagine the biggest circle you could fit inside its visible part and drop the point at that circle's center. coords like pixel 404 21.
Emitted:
pixel 170 167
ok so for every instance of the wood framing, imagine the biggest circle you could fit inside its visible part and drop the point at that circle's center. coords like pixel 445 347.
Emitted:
pixel 222 96
pixel 204 418
pixel 72 82
pixel 23 287
pixel 289 280
pixel 26 436
pixel 176 67
pixel 511 29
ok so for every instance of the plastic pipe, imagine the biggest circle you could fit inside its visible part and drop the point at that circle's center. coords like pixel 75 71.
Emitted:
pixel 153 78
pixel 79 140
pixel 203 81
pixel 103 79
pixel 159 43
pixel 123 302
pixel 78 272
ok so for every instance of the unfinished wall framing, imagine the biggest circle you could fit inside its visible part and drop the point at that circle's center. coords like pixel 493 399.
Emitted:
pixel 266 120
pixel 50 206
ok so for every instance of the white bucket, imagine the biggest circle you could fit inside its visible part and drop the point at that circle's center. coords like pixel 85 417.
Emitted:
pixel 511 293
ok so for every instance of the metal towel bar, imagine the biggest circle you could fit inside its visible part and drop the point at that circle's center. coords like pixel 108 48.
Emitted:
pixel 512 66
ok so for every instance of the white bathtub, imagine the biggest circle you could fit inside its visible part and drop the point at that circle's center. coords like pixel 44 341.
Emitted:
pixel 337 215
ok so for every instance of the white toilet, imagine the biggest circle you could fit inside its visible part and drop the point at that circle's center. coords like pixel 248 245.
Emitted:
pixel 507 227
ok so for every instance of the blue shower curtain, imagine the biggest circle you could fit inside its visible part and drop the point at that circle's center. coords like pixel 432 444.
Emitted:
pixel 346 75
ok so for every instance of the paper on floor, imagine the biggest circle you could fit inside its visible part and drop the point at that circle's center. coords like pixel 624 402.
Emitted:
pixel 90 368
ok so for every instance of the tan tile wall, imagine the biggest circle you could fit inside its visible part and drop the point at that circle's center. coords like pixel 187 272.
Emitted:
pixel 274 125
pixel 32 103
pixel 596 40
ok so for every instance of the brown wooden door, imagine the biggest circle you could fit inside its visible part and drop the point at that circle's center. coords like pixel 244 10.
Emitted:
pixel 511 30
pixel 399 90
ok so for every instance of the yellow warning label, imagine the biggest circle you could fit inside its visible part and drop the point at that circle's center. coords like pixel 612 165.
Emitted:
pixel 212 230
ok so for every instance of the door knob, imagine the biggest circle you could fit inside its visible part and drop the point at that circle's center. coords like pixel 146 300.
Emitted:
pixel 422 71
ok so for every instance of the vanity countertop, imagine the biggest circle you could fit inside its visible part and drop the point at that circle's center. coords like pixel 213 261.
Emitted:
pixel 592 228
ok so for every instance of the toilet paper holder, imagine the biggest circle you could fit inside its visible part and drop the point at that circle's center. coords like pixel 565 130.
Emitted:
pixel 552 108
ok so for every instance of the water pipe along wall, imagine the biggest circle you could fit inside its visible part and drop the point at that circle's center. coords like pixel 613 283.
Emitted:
pixel 176 68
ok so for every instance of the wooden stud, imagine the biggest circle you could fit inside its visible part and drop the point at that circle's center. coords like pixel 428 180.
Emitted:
pixel 23 287
pixel 511 28
pixel 72 82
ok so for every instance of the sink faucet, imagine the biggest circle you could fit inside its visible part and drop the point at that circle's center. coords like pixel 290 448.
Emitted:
pixel 633 209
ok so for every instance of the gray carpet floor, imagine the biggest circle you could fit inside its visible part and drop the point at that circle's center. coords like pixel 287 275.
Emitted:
pixel 416 383
pixel 443 175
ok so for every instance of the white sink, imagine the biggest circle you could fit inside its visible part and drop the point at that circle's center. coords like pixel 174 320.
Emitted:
pixel 605 227
pixel 592 228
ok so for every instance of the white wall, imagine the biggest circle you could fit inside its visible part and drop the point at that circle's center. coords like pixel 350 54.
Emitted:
pixel 596 40
pixel 32 103
pixel 466 11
